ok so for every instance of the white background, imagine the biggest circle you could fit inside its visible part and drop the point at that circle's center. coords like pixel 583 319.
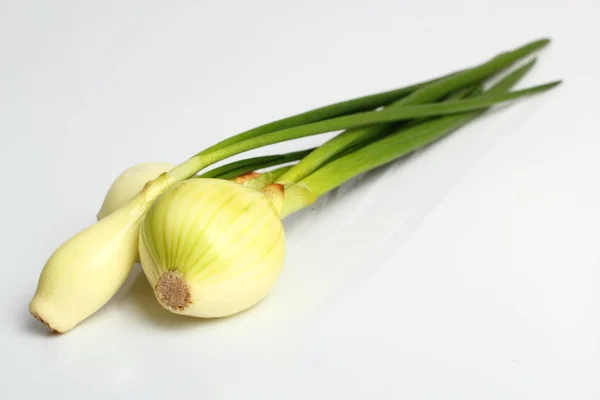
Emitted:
pixel 468 271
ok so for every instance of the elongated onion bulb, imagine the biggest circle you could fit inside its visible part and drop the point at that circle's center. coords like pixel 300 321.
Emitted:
pixel 211 247
pixel 129 183
pixel 88 269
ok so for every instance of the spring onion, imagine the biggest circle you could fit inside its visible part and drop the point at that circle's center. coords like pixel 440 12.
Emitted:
pixel 210 254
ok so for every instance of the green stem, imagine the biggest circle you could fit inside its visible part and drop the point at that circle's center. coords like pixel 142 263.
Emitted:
pixel 265 178
pixel 381 152
pixel 201 160
pixel 294 196
pixel 353 139
pixel 468 92
pixel 425 94
pixel 359 104
pixel 474 75
pixel 398 144
pixel 241 167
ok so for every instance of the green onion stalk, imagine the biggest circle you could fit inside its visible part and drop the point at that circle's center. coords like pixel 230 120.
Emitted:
pixel 213 244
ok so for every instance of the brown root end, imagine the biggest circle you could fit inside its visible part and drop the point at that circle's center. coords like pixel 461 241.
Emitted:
pixel 246 177
pixel 172 291
pixel 39 318
pixel 276 188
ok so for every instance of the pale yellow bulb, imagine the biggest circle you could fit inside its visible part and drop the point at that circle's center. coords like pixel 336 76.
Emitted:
pixel 86 271
pixel 129 183
pixel 211 247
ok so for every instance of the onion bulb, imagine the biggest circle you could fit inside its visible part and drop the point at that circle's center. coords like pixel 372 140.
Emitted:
pixel 212 247
pixel 129 183
pixel 88 269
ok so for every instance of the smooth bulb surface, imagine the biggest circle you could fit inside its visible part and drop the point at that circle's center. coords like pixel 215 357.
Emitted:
pixel 88 269
pixel 211 247
pixel 129 183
